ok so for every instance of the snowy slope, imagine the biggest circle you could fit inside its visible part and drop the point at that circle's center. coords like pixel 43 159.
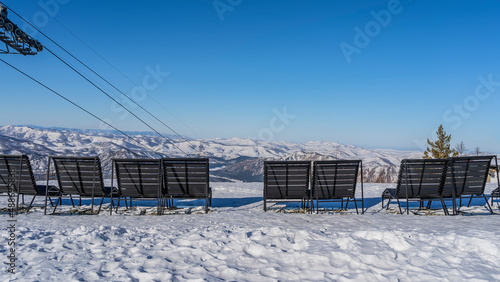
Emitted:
pixel 237 241
pixel 233 158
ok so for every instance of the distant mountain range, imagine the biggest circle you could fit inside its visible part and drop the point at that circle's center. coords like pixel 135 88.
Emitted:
pixel 234 159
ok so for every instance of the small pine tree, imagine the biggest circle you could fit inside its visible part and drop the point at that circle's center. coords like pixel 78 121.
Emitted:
pixel 440 149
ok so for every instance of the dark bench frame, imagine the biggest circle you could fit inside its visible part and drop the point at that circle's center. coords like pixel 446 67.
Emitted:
pixel 467 177
pixel 24 182
pixel 496 192
pixel 298 181
pixel 463 177
pixel 418 180
pixel 186 178
pixel 146 186
pixel 337 180
pixel 78 176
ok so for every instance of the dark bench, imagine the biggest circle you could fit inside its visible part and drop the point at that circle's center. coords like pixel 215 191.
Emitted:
pixel 79 177
pixel 336 181
pixel 286 181
pixel 138 179
pixel 418 179
pixel 16 179
pixel 187 178
pixel 466 177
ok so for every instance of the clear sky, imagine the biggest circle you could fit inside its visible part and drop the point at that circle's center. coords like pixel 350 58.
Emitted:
pixel 378 74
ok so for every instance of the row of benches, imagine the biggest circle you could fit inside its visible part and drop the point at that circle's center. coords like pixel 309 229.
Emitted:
pixel 82 177
pixel 422 180
pixel 331 181
pixel 169 178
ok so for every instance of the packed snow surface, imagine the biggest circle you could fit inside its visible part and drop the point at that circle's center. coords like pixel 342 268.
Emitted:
pixel 238 241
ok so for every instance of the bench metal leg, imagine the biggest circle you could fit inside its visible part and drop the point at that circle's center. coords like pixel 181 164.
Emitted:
pixel 59 200
pixel 429 203
pixel 356 205
pixel 388 203
pixel 445 208
pixel 31 203
pixel 488 204
pixel 399 205
pixel 100 206
pixel 454 203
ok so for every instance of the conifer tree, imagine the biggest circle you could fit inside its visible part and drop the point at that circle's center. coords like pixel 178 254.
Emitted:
pixel 441 148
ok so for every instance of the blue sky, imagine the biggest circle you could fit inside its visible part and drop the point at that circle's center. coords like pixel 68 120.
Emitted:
pixel 420 64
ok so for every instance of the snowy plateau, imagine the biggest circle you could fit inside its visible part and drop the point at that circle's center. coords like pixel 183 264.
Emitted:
pixel 233 159
pixel 237 240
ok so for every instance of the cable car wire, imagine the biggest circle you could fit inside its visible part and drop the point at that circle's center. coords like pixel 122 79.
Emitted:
pixel 81 108
pixel 121 92
pixel 114 100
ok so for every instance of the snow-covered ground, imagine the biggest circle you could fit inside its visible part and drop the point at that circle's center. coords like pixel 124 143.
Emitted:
pixel 238 241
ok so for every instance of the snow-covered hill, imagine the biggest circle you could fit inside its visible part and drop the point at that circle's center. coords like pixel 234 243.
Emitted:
pixel 238 241
pixel 235 158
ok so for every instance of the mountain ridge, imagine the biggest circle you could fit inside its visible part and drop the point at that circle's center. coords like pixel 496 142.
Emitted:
pixel 235 159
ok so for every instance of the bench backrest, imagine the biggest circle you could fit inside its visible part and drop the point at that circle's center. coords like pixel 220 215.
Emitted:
pixel 138 178
pixel 468 174
pixel 186 177
pixel 11 168
pixel 286 179
pixel 335 179
pixel 79 175
pixel 421 178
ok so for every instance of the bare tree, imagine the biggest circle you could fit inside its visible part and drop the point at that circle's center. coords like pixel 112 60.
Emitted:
pixel 460 148
pixel 477 151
